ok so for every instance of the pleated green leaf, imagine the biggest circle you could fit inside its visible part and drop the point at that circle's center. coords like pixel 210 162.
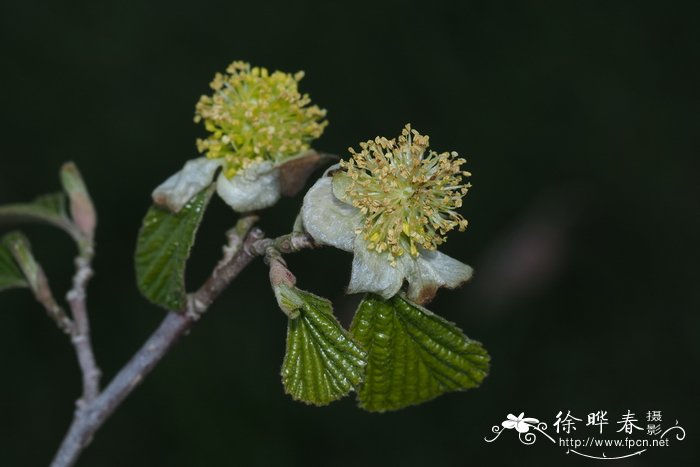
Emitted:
pixel 10 274
pixel 162 250
pixel 413 355
pixel 322 363
pixel 50 209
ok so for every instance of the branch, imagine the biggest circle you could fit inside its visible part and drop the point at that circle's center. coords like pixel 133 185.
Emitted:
pixel 284 244
pixel 80 337
pixel 244 244
pixel 84 221
pixel 236 256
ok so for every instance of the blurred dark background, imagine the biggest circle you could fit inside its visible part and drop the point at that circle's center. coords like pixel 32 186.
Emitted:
pixel 579 122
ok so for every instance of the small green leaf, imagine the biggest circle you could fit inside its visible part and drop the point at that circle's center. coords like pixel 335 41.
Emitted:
pixel 413 354
pixel 49 208
pixel 10 274
pixel 20 249
pixel 53 204
pixel 163 248
pixel 322 363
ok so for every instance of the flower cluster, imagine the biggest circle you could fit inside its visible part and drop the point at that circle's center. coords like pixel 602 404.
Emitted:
pixel 261 128
pixel 407 194
pixel 254 115
pixel 391 205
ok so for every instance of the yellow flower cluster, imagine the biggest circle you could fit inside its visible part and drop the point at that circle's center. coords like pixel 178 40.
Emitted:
pixel 408 195
pixel 254 115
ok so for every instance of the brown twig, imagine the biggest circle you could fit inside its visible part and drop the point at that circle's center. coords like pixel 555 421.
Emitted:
pixel 244 244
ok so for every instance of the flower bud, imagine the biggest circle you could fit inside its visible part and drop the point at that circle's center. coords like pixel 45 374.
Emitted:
pixel 81 208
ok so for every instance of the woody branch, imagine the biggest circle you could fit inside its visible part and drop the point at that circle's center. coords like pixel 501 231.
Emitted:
pixel 244 244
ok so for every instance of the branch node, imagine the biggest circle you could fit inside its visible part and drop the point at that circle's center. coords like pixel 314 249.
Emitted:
pixel 245 242
pixel 78 339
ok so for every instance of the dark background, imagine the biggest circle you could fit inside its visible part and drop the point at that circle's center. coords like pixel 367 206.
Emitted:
pixel 580 125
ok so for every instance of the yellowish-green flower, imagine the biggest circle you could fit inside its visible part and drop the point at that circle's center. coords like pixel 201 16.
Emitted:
pixel 254 115
pixel 259 126
pixel 408 194
pixel 391 204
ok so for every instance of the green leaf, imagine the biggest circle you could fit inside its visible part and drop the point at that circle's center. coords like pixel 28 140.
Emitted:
pixel 162 250
pixel 20 249
pixel 49 208
pixel 10 274
pixel 322 363
pixel 413 354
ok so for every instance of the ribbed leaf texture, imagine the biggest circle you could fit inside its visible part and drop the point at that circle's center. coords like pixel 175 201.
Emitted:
pixel 322 363
pixel 162 250
pixel 413 354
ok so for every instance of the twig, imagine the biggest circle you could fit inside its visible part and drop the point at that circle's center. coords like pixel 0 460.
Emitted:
pixel 289 243
pixel 53 309
pixel 244 244
pixel 80 336
pixel 240 238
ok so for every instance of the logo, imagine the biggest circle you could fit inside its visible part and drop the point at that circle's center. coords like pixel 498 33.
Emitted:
pixel 598 438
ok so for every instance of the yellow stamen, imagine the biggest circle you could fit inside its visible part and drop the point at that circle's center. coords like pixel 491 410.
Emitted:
pixel 407 193
pixel 256 115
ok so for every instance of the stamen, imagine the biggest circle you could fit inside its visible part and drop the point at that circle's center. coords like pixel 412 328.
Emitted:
pixel 407 193
pixel 255 115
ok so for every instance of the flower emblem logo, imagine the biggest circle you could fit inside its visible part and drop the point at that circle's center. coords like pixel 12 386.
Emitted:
pixel 520 423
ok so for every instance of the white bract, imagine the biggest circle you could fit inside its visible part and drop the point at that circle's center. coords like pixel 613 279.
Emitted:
pixel 255 187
